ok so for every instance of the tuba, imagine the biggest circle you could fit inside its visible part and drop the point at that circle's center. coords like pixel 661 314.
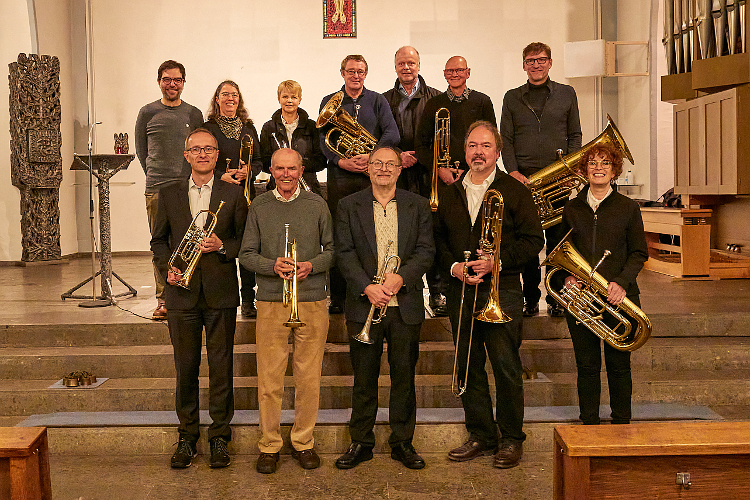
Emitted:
pixel 346 137
pixel 441 156
pixel 246 155
pixel 290 284
pixel 589 302
pixel 552 186
pixel 492 226
pixel 188 253
pixel 364 335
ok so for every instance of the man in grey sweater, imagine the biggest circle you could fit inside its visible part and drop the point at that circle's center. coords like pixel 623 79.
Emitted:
pixel 263 252
pixel 160 132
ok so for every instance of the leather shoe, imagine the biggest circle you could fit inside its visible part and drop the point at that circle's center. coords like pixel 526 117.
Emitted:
pixel 248 310
pixel 407 455
pixel 355 455
pixel 508 455
pixel 438 304
pixel 530 309
pixel 267 463
pixel 470 450
pixel 160 312
pixel 308 459
pixel 555 310
pixel 219 453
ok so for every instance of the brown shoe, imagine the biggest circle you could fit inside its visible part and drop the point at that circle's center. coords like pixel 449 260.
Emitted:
pixel 508 455
pixel 470 450
pixel 160 312
pixel 267 463
pixel 308 459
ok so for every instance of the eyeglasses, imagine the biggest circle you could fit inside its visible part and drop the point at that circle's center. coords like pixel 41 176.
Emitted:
pixel 454 71
pixel 390 166
pixel 358 72
pixel 233 95
pixel 177 81
pixel 604 165
pixel 196 150
pixel 540 60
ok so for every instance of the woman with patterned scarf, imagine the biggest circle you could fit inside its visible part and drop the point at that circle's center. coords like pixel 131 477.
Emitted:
pixel 228 121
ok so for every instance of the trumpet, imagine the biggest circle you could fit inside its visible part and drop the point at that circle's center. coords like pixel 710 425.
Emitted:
pixel 456 387
pixel 587 302
pixel 246 155
pixel 364 335
pixel 441 156
pixel 346 138
pixel 188 252
pixel 290 284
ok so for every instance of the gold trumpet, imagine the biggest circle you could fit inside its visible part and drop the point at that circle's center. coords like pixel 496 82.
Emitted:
pixel 441 156
pixel 246 155
pixel 188 252
pixel 290 284
pixel 552 186
pixel 364 334
pixel 588 301
pixel 492 226
pixel 346 138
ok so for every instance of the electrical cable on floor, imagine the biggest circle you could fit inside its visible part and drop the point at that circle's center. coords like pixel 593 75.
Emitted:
pixel 114 302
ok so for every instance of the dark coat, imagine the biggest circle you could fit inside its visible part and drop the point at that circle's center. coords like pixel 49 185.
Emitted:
pixel 357 251
pixel 230 149
pixel 215 274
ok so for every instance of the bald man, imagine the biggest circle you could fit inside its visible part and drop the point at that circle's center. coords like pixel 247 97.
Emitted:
pixel 465 106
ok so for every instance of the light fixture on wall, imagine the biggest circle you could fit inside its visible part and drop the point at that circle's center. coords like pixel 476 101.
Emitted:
pixel 602 58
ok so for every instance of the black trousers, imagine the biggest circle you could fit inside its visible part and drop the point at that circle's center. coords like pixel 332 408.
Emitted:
pixel 247 285
pixel 185 330
pixel 532 273
pixel 500 342
pixel 403 352
pixel 588 352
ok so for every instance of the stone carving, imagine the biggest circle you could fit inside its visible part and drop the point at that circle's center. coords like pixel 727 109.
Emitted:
pixel 35 159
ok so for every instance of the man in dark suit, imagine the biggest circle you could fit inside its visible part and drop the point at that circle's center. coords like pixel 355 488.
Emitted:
pixel 371 224
pixel 212 297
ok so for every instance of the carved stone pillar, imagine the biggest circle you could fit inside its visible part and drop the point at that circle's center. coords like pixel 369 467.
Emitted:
pixel 35 159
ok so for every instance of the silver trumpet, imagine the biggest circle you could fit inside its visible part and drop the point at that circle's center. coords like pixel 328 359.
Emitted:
pixel 364 335
pixel 290 284
pixel 456 387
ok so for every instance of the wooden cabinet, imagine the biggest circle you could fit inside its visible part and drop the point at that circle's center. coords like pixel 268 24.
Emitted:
pixel 693 227
pixel 645 460
pixel 712 143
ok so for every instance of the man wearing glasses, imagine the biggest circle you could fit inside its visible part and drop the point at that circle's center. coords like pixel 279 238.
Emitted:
pixel 160 132
pixel 212 297
pixel 465 106
pixel 371 225
pixel 349 175
pixel 538 118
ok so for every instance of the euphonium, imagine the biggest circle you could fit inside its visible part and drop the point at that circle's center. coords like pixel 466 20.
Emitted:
pixel 290 284
pixel 552 186
pixel 588 302
pixel 246 155
pixel 346 138
pixel 441 156
pixel 492 227
pixel 364 335
pixel 188 252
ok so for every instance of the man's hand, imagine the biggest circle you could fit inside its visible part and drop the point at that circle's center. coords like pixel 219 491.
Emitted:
pixel 356 164
pixel 284 267
pixel 449 175
pixel 571 282
pixel 303 269
pixel 228 176
pixel 211 244
pixel 241 173
pixel 458 272
pixel 393 282
pixel 378 295
pixel 173 276
pixel 519 177
pixel 408 159
pixel 615 293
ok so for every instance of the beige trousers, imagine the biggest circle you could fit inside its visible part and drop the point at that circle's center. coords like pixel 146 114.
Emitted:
pixel 272 341
pixel 152 207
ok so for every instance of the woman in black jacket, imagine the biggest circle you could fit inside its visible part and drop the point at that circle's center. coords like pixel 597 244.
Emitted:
pixel 304 136
pixel 603 219
pixel 228 121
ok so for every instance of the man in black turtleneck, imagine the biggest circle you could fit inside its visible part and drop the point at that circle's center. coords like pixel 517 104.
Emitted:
pixel 538 118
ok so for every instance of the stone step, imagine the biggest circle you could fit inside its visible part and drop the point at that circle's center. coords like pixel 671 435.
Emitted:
pixel 27 397
pixel 436 358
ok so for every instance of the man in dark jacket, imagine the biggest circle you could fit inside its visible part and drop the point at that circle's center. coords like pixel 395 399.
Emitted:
pixel 407 99
pixel 212 297
pixel 538 118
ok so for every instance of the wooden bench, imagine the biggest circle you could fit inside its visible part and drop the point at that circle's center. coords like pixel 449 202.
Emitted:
pixel 651 460
pixel 24 464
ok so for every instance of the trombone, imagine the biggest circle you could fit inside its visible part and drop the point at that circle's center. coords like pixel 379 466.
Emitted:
pixel 441 156
pixel 246 155
pixel 290 284
pixel 364 335
pixel 457 388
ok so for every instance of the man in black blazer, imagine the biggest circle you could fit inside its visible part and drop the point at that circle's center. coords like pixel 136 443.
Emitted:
pixel 458 227
pixel 212 297
pixel 378 221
